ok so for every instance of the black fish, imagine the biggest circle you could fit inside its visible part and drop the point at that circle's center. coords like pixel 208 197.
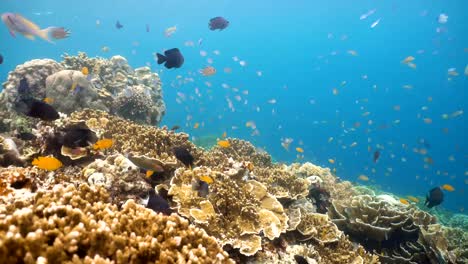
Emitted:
pixel 184 156
pixel 174 128
pixel 1 59
pixel 218 23
pixel 23 87
pixel 434 197
pixel 37 109
pixel 157 203
pixel 25 136
pixel 118 25
pixel 201 187
pixel 376 156
pixel 300 259
pixel 78 135
pixel 172 57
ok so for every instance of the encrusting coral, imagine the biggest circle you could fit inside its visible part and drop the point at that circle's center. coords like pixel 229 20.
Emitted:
pixel 78 225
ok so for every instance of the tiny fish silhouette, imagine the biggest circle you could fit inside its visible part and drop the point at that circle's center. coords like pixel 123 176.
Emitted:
pixel 118 25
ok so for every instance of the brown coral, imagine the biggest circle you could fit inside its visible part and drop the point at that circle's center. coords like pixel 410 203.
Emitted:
pixel 78 225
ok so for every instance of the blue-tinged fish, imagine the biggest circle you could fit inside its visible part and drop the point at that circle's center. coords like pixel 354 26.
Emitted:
pixel 1 59
pixel 218 23
pixel 19 24
pixel 118 25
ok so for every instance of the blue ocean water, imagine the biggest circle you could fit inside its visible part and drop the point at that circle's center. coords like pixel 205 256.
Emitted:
pixel 296 53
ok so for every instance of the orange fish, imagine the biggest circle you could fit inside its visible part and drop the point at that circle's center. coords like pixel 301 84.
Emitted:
pixel 332 161
pixel 206 179
pixel 103 144
pixel 448 187
pixel 300 150
pixel 47 163
pixel 404 201
pixel 224 143
pixel 224 135
pixel 85 70
pixel 208 71
pixel 196 125
pixel 48 100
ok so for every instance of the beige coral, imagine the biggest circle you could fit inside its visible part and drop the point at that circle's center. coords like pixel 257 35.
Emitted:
pixel 69 224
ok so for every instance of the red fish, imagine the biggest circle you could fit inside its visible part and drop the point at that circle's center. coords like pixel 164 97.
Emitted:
pixel 376 156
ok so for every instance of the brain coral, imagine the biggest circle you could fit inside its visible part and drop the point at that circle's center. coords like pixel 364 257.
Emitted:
pixel 78 225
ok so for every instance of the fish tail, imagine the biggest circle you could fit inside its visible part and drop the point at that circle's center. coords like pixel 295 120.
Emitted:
pixel 161 58
pixel 44 34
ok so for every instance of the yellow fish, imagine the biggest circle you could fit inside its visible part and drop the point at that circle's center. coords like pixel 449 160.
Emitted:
pixel 404 201
pixel 85 70
pixel 448 187
pixel 300 150
pixel 412 198
pixel 206 179
pixel 224 143
pixel 408 60
pixel 196 125
pixel 48 100
pixel 363 177
pixel 332 161
pixel 19 24
pixel 104 143
pixel 47 163
pixel 224 135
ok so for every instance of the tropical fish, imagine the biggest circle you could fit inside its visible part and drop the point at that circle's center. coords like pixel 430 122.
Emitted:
pixel 404 201
pixel 25 136
pixel 376 156
pixel 197 125
pixel 1 60
pixel 448 187
pixel 367 14
pixel 48 100
pixel 78 136
pixel 157 203
pixel 466 68
pixel 224 135
pixel 172 58
pixel 47 163
pixel 434 197
pixel 85 70
pixel 184 156
pixel 174 128
pixel 332 161
pixel 17 23
pixel 118 25
pixel 218 23
pixel 442 18
pixel 208 71
pixel 352 52
pixel 412 198
pixel 224 143
pixel 300 150
pixel 105 49
pixel 146 163
pixel 104 143
pixel 206 179
pixel 37 109
pixel 169 31
pixel 201 187
pixel 375 23
pixel 408 60
pixel 363 177
pixel 147 28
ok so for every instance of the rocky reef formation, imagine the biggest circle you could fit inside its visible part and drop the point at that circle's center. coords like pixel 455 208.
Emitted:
pixel 251 209
pixel 110 85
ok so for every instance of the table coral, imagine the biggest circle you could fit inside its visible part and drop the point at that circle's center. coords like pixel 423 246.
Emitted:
pixel 76 225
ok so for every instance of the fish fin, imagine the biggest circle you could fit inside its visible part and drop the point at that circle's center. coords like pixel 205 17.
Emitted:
pixel 161 58
pixel 44 34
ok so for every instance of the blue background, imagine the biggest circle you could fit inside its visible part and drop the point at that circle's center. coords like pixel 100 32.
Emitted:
pixel 301 48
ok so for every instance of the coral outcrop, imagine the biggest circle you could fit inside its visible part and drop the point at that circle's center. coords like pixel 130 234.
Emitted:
pixel 111 85
pixel 79 225
pixel 395 231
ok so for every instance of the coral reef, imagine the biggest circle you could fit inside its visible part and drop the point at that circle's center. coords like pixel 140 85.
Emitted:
pixel 69 224
pixel 112 85
pixel 396 232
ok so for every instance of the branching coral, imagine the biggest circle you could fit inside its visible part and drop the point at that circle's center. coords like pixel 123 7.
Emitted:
pixel 69 224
